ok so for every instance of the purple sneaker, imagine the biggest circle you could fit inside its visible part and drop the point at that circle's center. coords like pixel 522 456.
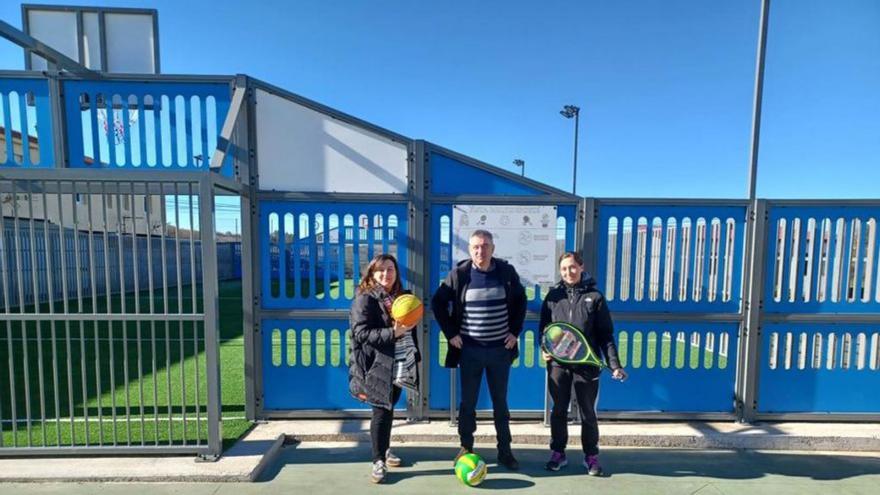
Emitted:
pixel 591 462
pixel 557 461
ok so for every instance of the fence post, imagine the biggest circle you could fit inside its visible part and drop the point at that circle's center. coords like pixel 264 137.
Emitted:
pixel 212 317
pixel 749 354
pixel 419 278
pixel 59 134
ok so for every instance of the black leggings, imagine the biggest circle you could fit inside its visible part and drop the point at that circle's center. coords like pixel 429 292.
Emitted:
pixel 586 389
pixel 380 427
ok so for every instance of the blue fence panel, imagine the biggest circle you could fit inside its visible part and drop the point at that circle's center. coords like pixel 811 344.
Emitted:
pixel 822 259
pixel 450 176
pixel 25 123
pixel 325 246
pixel 145 125
pixel 305 365
pixel 671 258
pixel 674 367
pixel 819 368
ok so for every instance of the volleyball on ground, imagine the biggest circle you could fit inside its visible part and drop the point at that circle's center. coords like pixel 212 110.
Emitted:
pixel 407 309
pixel 470 469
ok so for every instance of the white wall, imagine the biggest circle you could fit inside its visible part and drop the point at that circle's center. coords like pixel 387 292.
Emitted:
pixel 303 150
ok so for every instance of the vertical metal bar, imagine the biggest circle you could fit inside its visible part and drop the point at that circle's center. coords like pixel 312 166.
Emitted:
pixel 120 236
pixel 210 292
pixel 36 288
pixel 127 148
pixel 108 290
pixel 187 132
pixel 137 308
pixel 142 128
pixel 79 301
pixel 58 124
pixel 857 261
pixel 50 290
pixel 102 39
pixel 203 129
pixel 192 269
pixel 7 126
pixel 4 253
pixel 295 248
pixel 112 153
pixel 166 312
pixel 250 246
pixel 758 98
pixel 149 201
pixel 172 135
pixel 94 304
pixel 21 309
pixel 93 117
pixel 313 255
pixel 371 235
pixel 62 245
pixel 25 138
pixel 326 257
pixel 749 360
pixel 816 257
pixel 178 261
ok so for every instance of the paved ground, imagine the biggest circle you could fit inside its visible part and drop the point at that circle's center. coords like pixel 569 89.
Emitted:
pixel 315 468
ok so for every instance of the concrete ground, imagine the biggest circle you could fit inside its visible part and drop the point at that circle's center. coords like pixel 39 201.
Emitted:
pixel 315 468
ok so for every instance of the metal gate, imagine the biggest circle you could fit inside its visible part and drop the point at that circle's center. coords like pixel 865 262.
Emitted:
pixel 109 336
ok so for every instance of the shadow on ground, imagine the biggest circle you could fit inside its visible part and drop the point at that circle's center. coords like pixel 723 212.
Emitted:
pixel 427 461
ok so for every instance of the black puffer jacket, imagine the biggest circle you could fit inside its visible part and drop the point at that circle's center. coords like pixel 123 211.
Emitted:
pixel 452 292
pixel 583 306
pixel 371 364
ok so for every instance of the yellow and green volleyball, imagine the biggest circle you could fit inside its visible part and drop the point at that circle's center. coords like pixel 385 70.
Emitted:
pixel 470 469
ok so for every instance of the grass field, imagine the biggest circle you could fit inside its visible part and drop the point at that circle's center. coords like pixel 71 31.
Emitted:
pixel 111 373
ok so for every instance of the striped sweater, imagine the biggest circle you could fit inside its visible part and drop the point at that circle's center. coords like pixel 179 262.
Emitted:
pixel 485 319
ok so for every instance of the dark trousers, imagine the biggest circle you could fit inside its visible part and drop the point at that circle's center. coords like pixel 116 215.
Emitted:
pixel 586 390
pixel 495 361
pixel 380 427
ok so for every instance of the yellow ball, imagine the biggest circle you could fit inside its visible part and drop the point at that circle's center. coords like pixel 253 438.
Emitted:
pixel 407 309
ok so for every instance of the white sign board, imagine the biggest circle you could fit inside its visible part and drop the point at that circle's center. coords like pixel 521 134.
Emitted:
pixel 525 236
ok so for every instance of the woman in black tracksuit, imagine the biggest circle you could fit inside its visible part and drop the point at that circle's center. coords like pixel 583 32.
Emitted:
pixel 374 337
pixel 577 301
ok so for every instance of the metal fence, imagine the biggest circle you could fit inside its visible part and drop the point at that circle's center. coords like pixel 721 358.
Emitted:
pixel 130 369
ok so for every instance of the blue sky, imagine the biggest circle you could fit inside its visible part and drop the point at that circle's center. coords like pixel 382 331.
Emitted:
pixel 665 86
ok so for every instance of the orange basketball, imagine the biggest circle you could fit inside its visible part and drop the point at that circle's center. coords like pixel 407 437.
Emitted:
pixel 407 309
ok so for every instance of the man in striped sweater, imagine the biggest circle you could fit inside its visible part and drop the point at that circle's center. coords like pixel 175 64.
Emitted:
pixel 481 307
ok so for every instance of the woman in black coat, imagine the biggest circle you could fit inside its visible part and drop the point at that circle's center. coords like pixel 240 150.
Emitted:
pixel 577 301
pixel 375 336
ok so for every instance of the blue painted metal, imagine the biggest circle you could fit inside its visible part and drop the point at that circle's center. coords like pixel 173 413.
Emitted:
pixel 18 89
pixel 452 177
pixel 299 369
pixel 679 213
pixel 653 387
pixel 527 375
pixel 813 306
pixel 300 262
pixel 165 139
pixel 818 389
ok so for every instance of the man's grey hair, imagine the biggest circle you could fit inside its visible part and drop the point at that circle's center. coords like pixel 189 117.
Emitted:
pixel 485 234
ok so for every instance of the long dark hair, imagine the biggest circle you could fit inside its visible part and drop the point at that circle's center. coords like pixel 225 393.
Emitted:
pixel 367 283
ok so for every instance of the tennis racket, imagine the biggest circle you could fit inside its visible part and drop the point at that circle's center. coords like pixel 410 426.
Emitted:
pixel 567 345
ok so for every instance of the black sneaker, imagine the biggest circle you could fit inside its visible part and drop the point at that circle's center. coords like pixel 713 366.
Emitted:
pixel 507 460
pixel 462 451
